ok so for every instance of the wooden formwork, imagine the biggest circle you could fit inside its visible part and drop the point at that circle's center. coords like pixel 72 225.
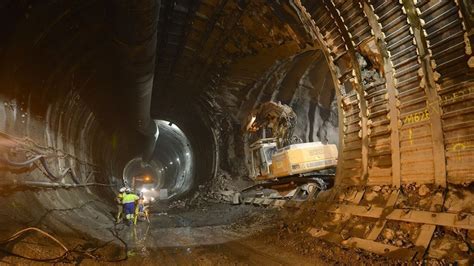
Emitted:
pixel 415 122
pixel 378 215
pixel 351 202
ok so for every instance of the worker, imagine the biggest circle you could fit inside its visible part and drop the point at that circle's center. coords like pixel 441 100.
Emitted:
pixel 119 200
pixel 141 210
pixel 129 205
pixel 138 207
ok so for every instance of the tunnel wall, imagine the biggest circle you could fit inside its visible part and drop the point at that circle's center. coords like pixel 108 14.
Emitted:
pixel 303 82
pixel 59 101
pixel 55 78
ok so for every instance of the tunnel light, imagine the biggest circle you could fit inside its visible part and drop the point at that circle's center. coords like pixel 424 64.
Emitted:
pixel 171 163
pixel 187 153
pixel 157 133
pixel 152 199
pixel 177 159
pixel 152 189
pixel 144 190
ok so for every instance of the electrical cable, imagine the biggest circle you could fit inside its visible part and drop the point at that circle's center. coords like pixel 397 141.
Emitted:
pixel 21 164
pixel 60 185
pixel 26 141
pixel 42 159
pixel 48 171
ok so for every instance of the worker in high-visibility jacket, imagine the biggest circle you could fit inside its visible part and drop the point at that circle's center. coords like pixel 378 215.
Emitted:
pixel 129 205
pixel 141 210
pixel 119 202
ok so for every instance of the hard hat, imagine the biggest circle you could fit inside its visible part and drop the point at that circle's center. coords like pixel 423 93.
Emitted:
pixel 122 189
pixel 128 190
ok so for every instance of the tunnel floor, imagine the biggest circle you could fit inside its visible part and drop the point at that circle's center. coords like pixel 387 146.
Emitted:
pixel 209 234
pixel 214 234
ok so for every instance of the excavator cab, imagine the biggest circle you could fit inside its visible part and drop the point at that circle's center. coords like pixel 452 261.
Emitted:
pixel 261 152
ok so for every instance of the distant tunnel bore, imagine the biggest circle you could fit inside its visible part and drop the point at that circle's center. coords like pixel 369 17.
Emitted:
pixel 170 172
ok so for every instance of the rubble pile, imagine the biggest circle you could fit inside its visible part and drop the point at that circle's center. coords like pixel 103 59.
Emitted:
pixel 177 204
pixel 399 234
pixel 451 244
pixel 448 244
pixel 459 198
pixel 292 234
pixel 220 189
pixel 378 195
pixel 215 190
pixel 421 197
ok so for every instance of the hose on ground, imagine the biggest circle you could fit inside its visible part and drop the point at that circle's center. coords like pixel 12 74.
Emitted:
pixel 21 232
pixel 66 250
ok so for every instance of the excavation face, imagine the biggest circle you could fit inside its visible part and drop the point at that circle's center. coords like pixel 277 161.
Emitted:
pixel 155 95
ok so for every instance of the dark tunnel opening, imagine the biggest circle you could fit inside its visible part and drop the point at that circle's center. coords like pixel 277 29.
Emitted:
pixel 156 96
pixel 170 173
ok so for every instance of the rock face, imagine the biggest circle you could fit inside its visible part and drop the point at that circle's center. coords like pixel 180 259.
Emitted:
pixel 389 234
pixel 370 196
pixel 423 190
pixel 377 188
pixel 314 104
pixel 302 81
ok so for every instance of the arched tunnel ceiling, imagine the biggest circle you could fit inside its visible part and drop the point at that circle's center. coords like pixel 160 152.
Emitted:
pixel 195 41
pixel 390 82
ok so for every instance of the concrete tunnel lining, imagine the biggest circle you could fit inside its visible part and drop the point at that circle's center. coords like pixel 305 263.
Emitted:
pixel 372 100
pixel 171 167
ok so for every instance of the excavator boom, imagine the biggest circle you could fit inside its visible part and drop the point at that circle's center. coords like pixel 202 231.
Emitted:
pixel 275 119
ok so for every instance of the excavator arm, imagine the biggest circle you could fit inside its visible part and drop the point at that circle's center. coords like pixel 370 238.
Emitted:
pixel 276 119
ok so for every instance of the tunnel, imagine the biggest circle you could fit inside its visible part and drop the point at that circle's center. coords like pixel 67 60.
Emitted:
pixel 155 95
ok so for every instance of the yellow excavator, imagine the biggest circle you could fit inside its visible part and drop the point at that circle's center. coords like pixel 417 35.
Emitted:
pixel 278 160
